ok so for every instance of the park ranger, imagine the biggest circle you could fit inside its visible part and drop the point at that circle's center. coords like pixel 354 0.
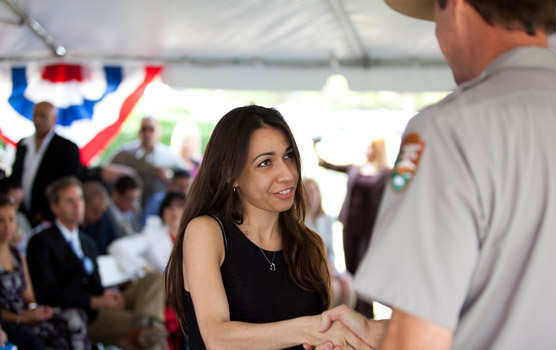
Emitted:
pixel 463 249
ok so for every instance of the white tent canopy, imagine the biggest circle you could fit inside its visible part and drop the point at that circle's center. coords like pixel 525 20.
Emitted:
pixel 243 44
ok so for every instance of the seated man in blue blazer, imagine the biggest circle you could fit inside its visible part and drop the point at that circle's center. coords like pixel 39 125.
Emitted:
pixel 64 272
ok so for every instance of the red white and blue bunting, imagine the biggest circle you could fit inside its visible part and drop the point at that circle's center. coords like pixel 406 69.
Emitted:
pixel 93 100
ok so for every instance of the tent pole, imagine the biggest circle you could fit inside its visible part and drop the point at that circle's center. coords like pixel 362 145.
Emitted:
pixel 351 33
pixel 36 27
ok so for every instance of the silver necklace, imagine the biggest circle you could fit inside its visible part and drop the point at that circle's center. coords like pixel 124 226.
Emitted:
pixel 271 263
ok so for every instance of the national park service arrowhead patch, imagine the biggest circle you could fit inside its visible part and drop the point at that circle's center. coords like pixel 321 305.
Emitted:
pixel 408 161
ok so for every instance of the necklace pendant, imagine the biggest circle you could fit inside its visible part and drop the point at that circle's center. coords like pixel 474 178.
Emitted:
pixel 272 267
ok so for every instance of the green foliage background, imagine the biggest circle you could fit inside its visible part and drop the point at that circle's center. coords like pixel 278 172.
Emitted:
pixel 167 118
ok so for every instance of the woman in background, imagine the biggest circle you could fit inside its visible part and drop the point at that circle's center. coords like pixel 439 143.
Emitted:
pixel 364 191
pixel 318 221
pixel 24 228
pixel 245 272
pixel 150 249
pixel 28 325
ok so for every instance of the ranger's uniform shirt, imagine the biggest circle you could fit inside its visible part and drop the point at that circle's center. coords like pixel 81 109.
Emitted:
pixel 466 233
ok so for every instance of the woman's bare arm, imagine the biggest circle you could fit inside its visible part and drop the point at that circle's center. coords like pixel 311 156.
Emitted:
pixel 203 251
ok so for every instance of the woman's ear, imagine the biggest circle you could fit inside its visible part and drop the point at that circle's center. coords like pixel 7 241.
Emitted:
pixel 228 173
pixel 229 178
pixel 234 184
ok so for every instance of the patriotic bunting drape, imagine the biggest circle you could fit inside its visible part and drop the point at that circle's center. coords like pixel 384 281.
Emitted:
pixel 93 100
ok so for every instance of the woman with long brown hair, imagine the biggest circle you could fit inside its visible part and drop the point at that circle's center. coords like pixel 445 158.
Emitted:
pixel 245 271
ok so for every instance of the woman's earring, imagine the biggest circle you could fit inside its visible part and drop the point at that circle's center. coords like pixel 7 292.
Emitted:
pixel 235 190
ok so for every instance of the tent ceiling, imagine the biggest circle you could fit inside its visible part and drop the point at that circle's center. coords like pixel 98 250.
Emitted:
pixel 271 44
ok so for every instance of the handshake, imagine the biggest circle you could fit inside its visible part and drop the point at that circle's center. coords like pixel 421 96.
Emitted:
pixel 342 328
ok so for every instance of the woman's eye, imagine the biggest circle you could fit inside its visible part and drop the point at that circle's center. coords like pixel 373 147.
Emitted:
pixel 264 163
pixel 289 155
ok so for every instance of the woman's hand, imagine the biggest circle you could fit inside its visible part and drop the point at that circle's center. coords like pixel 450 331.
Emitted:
pixel 336 334
pixel 370 332
pixel 348 340
pixel 38 314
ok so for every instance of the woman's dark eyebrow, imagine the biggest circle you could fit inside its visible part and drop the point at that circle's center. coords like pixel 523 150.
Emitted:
pixel 263 155
pixel 266 154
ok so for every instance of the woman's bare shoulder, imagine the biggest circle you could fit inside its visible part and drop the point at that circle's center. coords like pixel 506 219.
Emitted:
pixel 204 232
pixel 204 222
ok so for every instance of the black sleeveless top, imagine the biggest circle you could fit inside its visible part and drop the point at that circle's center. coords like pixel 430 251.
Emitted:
pixel 255 293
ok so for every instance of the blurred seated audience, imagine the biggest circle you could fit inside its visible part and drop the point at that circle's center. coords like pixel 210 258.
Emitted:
pixel 96 223
pixel 124 211
pixel 63 268
pixel 150 158
pixel 317 220
pixel 150 250
pixel 107 174
pixel 31 326
pixel 180 182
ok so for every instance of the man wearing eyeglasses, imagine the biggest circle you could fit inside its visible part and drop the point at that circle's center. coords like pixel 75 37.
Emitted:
pixel 150 158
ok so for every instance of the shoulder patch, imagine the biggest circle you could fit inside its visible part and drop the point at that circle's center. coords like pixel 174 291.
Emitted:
pixel 407 161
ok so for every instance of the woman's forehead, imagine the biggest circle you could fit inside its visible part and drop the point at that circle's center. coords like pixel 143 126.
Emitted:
pixel 268 139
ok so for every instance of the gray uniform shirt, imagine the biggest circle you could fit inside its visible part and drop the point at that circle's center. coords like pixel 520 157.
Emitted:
pixel 466 233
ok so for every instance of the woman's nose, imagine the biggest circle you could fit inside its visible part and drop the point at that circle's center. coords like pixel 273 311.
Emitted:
pixel 286 172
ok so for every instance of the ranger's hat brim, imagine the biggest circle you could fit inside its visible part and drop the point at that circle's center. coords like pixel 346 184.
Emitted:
pixel 422 9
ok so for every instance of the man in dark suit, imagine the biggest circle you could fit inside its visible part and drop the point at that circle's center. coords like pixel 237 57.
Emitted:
pixel 63 268
pixel 41 159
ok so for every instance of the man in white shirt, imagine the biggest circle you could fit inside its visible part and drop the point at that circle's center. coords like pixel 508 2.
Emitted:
pixel 150 158
pixel 41 159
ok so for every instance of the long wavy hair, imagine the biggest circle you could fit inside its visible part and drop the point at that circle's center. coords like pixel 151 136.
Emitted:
pixel 212 194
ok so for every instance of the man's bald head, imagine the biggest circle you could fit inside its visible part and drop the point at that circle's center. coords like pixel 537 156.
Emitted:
pixel 44 118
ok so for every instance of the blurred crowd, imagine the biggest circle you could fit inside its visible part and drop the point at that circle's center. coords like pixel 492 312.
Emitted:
pixel 60 218
pixel 120 220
